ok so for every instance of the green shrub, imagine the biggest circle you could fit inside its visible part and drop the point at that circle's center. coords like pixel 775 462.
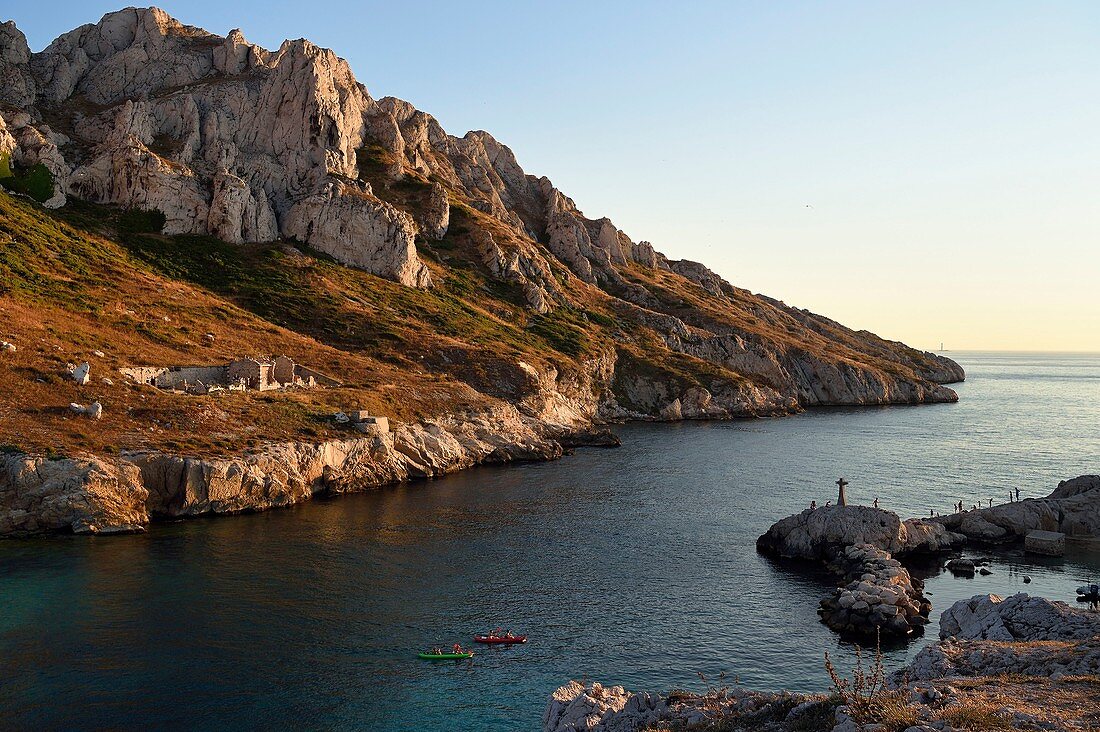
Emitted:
pixel 136 221
pixel 559 333
pixel 36 181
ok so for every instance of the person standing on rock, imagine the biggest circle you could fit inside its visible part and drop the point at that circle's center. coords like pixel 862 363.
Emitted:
pixel 1017 495
pixel 875 501
pixel 991 503
pixel 813 505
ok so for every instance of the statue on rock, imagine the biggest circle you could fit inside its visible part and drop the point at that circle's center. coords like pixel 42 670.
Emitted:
pixel 841 499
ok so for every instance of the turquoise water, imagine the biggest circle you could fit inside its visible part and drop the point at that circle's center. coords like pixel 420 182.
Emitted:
pixel 634 566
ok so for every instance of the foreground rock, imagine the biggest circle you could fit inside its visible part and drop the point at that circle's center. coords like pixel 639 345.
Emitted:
pixel 1020 617
pixel 1073 509
pixel 597 708
pixel 823 532
pixel 1043 676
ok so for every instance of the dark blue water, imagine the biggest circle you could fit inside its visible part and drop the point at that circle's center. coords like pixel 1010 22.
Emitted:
pixel 634 566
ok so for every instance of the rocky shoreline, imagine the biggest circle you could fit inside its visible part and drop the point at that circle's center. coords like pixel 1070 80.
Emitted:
pixel 86 494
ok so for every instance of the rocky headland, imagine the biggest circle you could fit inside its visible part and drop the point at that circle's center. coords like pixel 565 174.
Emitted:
pixel 176 197
pixel 1073 509
pixel 859 544
pixel 863 546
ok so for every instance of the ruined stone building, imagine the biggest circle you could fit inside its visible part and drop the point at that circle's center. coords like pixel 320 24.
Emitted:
pixel 243 374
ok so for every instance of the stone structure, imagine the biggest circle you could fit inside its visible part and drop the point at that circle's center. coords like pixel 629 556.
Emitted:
pixel 242 374
pixel 880 597
pixel 1051 543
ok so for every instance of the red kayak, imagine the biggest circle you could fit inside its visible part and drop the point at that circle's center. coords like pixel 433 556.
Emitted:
pixel 495 638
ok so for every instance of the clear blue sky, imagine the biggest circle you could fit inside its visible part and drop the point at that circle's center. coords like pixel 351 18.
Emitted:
pixel 948 150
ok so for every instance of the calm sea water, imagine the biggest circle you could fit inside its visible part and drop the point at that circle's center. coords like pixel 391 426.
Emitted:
pixel 634 566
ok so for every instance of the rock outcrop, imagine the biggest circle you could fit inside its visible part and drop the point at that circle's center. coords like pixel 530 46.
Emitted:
pixel 1073 508
pixel 1020 617
pixel 597 708
pixel 84 495
pixel 878 597
pixel 823 532
pixel 1024 635
pixel 969 658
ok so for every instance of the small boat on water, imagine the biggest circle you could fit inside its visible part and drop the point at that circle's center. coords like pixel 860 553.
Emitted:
pixel 498 636
pixel 447 656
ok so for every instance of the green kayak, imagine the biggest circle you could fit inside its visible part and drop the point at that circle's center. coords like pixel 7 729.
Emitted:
pixel 446 656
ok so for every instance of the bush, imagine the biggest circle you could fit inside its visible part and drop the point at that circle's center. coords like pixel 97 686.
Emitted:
pixel 36 181
pixel 136 221
pixel 867 698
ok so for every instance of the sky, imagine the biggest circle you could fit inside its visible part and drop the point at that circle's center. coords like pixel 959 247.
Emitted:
pixel 927 171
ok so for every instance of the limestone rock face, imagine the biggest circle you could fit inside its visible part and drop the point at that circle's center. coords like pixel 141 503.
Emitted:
pixel 361 230
pixel 820 533
pixel 17 86
pixel 84 495
pixel 1020 617
pixel 87 495
pixel 436 215
pixel 220 135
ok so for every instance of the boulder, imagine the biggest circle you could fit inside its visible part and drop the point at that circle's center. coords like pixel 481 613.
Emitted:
pixel 6 346
pixel 81 374
pixel 1050 543
pixel 1020 617
pixel 961 566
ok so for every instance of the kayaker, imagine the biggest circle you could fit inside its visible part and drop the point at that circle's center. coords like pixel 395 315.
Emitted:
pixel 456 648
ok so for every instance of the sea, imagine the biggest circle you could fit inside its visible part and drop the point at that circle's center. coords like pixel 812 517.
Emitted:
pixel 633 566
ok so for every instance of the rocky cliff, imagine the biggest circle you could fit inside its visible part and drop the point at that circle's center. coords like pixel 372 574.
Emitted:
pixel 189 197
